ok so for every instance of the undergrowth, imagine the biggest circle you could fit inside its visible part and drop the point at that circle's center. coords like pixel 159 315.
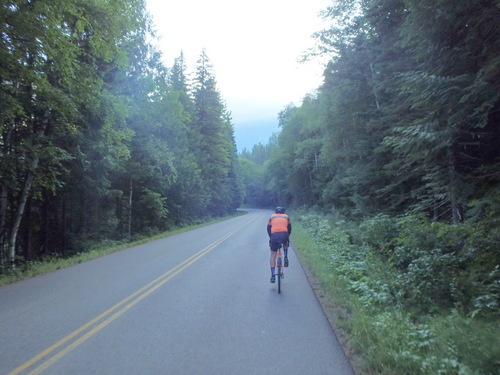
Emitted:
pixel 420 297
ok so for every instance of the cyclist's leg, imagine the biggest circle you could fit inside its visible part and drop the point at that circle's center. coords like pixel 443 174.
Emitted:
pixel 285 251
pixel 283 237
pixel 272 261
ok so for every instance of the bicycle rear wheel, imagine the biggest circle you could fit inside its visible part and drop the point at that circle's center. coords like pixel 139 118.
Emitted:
pixel 279 276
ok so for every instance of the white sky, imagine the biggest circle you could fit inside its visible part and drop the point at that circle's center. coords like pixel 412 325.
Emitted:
pixel 254 47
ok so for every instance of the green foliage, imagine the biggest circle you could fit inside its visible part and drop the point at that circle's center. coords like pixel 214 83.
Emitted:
pixel 253 180
pixel 152 210
pixel 399 319
pixel 406 117
pixel 94 126
pixel 440 265
pixel 378 232
pixel 214 141
pixel 257 175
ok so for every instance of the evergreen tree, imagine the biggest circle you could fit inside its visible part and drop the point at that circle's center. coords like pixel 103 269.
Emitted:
pixel 98 140
pixel 54 56
pixel 213 139
pixel 452 96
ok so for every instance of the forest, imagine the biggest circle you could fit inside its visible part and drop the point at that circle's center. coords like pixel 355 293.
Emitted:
pixel 99 139
pixel 393 167
pixel 406 119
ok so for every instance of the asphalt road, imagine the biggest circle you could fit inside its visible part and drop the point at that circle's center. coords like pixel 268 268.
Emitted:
pixel 199 302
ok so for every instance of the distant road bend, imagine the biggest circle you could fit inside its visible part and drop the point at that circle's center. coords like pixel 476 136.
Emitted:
pixel 199 302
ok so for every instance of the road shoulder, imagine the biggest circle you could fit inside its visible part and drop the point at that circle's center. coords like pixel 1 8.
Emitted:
pixel 331 311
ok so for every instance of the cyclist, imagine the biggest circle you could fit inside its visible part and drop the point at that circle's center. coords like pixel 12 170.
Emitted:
pixel 279 229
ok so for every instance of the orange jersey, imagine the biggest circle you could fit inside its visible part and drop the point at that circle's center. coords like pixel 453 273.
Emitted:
pixel 279 223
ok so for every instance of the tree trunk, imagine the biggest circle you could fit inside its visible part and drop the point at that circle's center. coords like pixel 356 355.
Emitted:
pixel 130 210
pixel 3 216
pixel 435 211
pixel 11 252
pixel 83 215
pixel 118 212
pixel 4 200
pixel 456 208
pixel 45 227
pixel 64 227
pixel 27 241
pixel 375 94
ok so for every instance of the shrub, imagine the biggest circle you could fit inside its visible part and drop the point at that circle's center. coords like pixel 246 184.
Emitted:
pixel 422 297
pixel 379 233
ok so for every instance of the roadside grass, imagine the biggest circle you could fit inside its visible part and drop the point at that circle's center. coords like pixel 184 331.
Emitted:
pixel 382 336
pixel 27 269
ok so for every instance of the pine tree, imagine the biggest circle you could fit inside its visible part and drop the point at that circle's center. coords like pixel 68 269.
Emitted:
pixel 215 146
pixel 452 96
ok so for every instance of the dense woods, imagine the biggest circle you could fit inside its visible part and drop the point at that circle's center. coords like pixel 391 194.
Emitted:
pixel 99 140
pixel 395 165
pixel 407 117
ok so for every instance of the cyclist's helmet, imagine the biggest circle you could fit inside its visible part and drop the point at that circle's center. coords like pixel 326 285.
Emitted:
pixel 279 210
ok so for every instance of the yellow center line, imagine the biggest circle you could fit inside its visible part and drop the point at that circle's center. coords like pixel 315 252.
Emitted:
pixel 140 294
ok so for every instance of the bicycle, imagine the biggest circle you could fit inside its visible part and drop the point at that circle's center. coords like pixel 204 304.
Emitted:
pixel 280 274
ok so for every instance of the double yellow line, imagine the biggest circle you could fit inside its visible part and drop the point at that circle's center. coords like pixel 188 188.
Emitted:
pixel 117 310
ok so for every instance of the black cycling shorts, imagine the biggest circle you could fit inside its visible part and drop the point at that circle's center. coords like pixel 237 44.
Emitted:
pixel 276 239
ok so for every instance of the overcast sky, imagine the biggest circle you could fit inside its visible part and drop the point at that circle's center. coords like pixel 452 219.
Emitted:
pixel 254 47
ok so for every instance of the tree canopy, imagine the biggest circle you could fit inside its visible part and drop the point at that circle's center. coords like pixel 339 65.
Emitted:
pixel 407 117
pixel 99 140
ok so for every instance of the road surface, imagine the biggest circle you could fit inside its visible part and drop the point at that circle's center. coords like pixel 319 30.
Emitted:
pixel 199 302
